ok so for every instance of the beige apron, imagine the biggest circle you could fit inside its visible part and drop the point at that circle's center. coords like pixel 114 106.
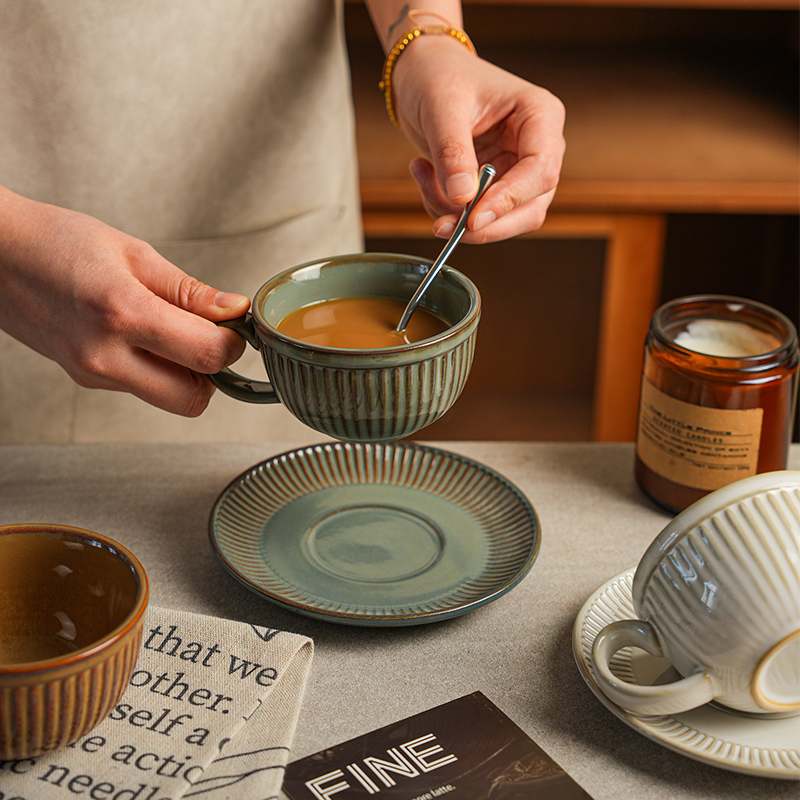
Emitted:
pixel 220 132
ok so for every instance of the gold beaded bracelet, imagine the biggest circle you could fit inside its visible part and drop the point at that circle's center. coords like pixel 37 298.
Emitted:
pixel 404 41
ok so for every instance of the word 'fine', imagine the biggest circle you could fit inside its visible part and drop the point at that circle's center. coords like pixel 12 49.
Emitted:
pixel 408 760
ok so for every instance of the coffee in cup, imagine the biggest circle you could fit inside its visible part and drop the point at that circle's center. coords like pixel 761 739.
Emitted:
pixel 362 390
pixel 360 323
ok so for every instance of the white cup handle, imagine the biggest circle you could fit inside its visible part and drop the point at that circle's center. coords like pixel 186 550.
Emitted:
pixel 671 698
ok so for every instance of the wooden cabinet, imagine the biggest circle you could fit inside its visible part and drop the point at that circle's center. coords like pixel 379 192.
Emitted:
pixel 675 110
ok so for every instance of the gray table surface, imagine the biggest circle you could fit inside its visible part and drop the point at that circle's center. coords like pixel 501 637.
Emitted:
pixel 156 499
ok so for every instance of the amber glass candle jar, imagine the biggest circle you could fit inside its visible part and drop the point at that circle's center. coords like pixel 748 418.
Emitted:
pixel 718 396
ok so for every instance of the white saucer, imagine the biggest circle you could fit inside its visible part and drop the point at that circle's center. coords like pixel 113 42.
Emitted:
pixel 763 747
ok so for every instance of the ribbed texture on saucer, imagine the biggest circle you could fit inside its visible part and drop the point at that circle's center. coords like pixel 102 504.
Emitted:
pixel 712 736
pixel 484 534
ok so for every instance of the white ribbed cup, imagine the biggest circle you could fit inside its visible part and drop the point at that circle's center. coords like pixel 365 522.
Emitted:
pixel 718 594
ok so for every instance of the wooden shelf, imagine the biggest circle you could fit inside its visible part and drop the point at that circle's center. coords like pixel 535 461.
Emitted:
pixel 646 131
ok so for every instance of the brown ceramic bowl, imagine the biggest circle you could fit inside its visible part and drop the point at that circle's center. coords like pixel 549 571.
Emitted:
pixel 72 606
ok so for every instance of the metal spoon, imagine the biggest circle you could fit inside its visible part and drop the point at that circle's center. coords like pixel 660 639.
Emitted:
pixel 484 179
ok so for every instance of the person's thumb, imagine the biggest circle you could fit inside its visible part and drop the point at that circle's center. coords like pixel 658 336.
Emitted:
pixel 453 158
pixel 182 290
pixel 224 305
pixel 459 187
pixel 207 302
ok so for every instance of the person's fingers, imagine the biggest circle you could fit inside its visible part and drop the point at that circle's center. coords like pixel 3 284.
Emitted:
pixel 517 127
pixel 171 387
pixel 529 217
pixel 110 310
pixel 445 213
pixel 183 291
pixel 433 198
pixel 136 311
pixel 183 338
pixel 448 133
pixel 532 176
pixel 516 202
pixel 175 320
pixel 484 224
pixel 155 380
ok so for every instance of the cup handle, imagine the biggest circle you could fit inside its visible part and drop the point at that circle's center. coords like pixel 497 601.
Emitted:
pixel 235 385
pixel 672 698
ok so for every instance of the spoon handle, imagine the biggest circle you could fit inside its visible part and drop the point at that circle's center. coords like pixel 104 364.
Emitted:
pixel 485 178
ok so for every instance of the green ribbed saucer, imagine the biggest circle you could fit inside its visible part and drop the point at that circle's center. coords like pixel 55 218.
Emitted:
pixel 375 534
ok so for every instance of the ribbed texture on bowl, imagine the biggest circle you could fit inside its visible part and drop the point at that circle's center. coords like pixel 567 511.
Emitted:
pixel 687 596
pixel 391 402
pixel 51 707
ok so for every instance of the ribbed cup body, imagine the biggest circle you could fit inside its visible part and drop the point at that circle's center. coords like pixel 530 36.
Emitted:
pixel 55 686
pixel 724 591
pixel 52 707
pixel 380 403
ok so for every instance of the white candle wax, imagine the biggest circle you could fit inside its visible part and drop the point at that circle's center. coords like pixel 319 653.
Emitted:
pixel 727 338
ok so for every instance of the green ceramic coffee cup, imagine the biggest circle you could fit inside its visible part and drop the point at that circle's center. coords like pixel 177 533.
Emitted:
pixel 359 395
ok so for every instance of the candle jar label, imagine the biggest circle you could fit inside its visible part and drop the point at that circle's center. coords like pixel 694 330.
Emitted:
pixel 706 448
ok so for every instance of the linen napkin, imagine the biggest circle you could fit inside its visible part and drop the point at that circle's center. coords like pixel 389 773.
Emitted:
pixel 210 713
